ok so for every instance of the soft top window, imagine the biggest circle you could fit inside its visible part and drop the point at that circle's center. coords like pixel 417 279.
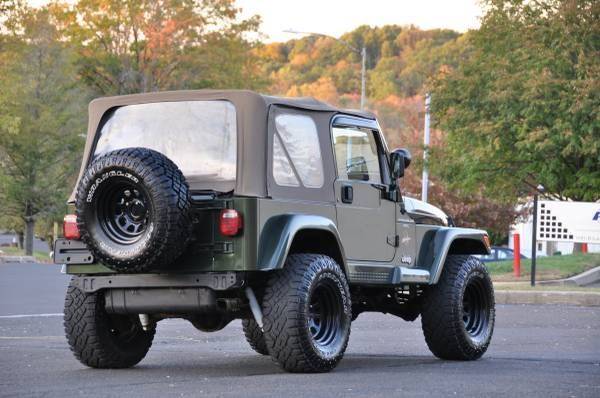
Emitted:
pixel 199 136
pixel 296 152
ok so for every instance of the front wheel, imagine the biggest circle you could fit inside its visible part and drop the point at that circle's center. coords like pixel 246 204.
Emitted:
pixel 307 314
pixel 99 339
pixel 459 312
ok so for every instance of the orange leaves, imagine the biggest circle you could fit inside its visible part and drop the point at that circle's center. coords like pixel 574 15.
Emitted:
pixel 323 89
pixel 300 60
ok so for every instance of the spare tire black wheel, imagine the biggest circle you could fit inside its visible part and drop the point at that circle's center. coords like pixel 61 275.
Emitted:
pixel 133 210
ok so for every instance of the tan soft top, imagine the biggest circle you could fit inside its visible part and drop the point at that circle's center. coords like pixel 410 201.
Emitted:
pixel 252 111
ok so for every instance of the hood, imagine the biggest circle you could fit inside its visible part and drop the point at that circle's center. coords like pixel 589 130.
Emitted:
pixel 425 213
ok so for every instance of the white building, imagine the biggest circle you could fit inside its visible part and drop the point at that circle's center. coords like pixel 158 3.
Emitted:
pixel 524 229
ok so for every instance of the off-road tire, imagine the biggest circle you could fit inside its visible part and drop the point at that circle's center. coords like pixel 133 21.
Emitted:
pixel 92 332
pixel 287 304
pixel 444 323
pixel 255 336
pixel 166 218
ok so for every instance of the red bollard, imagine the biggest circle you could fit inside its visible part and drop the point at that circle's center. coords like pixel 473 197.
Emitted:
pixel 517 255
pixel 584 248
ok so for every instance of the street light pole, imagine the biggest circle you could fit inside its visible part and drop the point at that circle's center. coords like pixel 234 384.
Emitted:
pixel 425 179
pixel 363 78
pixel 363 54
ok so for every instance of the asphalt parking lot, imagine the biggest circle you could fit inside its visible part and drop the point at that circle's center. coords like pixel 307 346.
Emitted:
pixel 536 351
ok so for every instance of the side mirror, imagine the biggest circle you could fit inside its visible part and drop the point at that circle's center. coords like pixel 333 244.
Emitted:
pixel 399 161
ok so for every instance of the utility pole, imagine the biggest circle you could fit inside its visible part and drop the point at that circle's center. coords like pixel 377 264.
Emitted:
pixel 363 78
pixel 363 54
pixel 425 179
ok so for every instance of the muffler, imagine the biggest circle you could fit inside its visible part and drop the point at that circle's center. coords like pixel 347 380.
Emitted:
pixel 160 300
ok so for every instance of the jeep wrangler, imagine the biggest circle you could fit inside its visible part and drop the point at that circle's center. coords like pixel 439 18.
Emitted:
pixel 285 213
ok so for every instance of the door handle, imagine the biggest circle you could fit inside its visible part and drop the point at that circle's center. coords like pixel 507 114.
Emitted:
pixel 347 194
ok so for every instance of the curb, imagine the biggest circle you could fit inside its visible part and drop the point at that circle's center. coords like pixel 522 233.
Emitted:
pixel 16 259
pixel 585 299
pixel 585 278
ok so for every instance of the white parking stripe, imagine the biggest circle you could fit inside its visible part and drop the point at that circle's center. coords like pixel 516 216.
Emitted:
pixel 29 316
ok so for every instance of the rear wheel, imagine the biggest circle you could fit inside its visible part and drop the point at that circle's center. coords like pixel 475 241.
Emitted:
pixel 459 312
pixel 99 339
pixel 307 314
pixel 255 336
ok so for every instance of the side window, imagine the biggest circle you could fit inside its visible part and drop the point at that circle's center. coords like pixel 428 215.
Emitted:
pixel 296 152
pixel 356 154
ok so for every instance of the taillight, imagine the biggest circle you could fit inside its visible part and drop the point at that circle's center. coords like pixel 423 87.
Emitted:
pixel 70 230
pixel 486 240
pixel 230 222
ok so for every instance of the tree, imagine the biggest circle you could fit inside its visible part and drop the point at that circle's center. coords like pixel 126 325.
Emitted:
pixel 522 108
pixel 146 45
pixel 41 116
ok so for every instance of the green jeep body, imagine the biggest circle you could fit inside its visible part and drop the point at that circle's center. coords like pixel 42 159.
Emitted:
pixel 348 208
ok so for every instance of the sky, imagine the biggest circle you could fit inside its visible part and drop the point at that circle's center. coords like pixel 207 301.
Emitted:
pixel 336 17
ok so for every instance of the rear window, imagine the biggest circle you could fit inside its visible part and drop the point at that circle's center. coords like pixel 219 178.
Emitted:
pixel 199 136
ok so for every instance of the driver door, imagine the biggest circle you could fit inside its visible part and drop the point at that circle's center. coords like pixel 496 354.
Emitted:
pixel 366 221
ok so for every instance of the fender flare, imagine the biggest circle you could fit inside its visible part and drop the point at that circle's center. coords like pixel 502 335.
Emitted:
pixel 278 234
pixel 454 241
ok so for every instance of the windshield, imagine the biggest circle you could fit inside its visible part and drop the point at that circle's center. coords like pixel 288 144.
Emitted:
pixel 199 136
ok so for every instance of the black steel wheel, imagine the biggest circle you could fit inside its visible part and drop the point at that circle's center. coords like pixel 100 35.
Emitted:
pixel 458 312
pixel 124 211
pixel 325 315
pixel 133 210
pixel 476 309
pixel 307 314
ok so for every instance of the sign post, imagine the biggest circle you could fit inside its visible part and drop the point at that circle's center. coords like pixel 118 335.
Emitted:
pixel 534 239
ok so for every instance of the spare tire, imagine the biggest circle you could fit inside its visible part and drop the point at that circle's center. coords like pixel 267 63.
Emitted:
pixel 133 210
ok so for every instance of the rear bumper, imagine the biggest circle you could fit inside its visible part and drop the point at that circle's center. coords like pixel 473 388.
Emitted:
pixel 213 280
pixel 164 293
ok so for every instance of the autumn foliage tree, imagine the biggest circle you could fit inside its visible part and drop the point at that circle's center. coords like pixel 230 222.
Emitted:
pixel 149 45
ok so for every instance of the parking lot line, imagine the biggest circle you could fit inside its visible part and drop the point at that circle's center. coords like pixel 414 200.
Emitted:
pixel 29 316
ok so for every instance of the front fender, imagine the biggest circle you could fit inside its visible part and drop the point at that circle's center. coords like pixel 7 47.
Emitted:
pixel 447 241
pixel 278 234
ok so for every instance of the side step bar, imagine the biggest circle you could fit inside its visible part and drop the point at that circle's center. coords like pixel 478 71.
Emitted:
pixel 375 274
